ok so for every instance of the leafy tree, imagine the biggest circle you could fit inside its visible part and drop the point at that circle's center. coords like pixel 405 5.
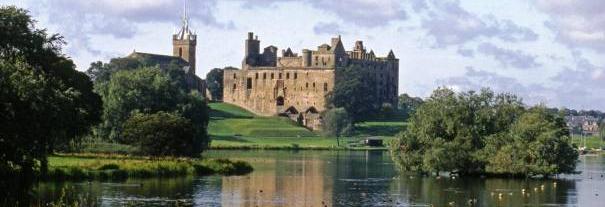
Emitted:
pixel 408 105
pixel 147 90
pixel 195 109
pixel 336 122
pixel 44 101
pixel 354 92
pixel 469 133
pixel 214 80
pixel 160 134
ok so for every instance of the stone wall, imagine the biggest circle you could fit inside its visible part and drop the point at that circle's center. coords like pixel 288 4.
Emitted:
pixel 271 92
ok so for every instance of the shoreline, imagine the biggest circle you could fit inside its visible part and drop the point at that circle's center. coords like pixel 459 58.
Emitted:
pixel 87 166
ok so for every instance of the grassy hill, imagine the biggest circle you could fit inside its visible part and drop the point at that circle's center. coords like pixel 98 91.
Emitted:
pixel 234 127
pixel 231 120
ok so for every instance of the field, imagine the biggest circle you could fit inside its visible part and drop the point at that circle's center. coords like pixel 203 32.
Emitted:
pixel 232 127
pixel 592 142
pixel 99 166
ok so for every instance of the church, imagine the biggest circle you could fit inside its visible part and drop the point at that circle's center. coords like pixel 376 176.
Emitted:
pixel 184 43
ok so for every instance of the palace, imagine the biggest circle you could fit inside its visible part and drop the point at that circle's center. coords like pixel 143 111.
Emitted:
pixel 296 85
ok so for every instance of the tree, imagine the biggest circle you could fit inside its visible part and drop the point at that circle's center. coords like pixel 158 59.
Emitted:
pixel 408 105
pixel 336 122
pixel 214 80
pixel 355 92
pixel 160 134
pixel 195 109
pixel 44 101
pixel 146 90
pixel 478 133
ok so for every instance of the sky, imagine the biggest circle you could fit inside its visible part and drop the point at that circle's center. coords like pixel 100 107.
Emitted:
pixel 545 51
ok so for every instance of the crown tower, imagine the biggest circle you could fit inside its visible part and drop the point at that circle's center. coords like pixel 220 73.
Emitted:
pixel 184 41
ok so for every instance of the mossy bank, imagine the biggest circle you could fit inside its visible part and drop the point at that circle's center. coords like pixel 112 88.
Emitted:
pixel 118 167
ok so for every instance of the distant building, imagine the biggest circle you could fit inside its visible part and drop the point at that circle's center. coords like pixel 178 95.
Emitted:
pixel 296 85
pixel 586 125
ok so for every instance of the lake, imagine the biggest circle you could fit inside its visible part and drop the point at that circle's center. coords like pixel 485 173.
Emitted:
pixel 338 178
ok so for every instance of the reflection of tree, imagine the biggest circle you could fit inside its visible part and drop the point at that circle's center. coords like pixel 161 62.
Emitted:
pixel 440 192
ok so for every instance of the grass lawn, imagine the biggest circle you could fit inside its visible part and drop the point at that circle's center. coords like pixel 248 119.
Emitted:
pixel 232 127
pixel 592 142
pixel 102 166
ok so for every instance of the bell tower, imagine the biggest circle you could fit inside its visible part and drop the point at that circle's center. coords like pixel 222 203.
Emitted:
pixel 184 42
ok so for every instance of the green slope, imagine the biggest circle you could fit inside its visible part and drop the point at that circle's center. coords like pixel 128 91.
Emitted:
pixel 228 120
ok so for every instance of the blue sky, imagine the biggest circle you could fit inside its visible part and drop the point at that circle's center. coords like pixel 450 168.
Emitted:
pixel 546 51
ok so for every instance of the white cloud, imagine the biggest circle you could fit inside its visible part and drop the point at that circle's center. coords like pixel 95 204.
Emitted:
pixel 450 24
pixel 509 58
pixel 577 23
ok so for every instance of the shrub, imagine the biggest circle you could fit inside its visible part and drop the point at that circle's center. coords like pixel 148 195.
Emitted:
pixel 160 134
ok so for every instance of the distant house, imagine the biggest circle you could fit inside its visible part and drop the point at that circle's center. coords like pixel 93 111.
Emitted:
pixel 586 125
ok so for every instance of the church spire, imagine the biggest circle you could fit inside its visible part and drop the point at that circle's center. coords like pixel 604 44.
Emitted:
pixel 184 41
pixel 185 32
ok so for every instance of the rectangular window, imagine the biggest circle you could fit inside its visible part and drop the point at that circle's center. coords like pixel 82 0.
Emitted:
pixel 295 75
pixel 249 83
pixel 256 75
pixel 279 76
pixel 272 76
pixel 287 75
pixel 264 76
pixel 234 76
pixel 325 86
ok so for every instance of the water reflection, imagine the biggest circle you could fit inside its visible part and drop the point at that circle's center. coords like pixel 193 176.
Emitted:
pixel 328 178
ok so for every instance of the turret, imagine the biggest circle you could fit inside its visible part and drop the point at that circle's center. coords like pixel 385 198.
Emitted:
pixel 252 45
pixel 306 58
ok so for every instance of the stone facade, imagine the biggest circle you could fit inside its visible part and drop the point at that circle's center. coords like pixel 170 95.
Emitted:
pixel 296 85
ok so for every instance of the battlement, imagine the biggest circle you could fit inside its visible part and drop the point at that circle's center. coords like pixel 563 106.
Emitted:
pixel 330 56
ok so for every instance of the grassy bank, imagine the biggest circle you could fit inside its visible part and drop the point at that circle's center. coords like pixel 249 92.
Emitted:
pixel 315 143
pixel 232 127
pixel 591 142
pixel 97 166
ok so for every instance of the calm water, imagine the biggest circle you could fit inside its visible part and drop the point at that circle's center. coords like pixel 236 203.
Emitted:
pixel 360 178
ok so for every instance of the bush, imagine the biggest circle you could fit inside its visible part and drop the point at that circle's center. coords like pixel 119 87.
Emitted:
pixel 160 134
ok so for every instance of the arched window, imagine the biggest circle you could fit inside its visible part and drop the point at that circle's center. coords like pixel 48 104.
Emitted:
pixel 279 101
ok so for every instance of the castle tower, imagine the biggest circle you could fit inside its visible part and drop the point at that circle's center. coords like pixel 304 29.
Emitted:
pixel 184 42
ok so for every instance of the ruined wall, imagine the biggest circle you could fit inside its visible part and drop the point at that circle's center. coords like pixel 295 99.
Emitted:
pixel 270 91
